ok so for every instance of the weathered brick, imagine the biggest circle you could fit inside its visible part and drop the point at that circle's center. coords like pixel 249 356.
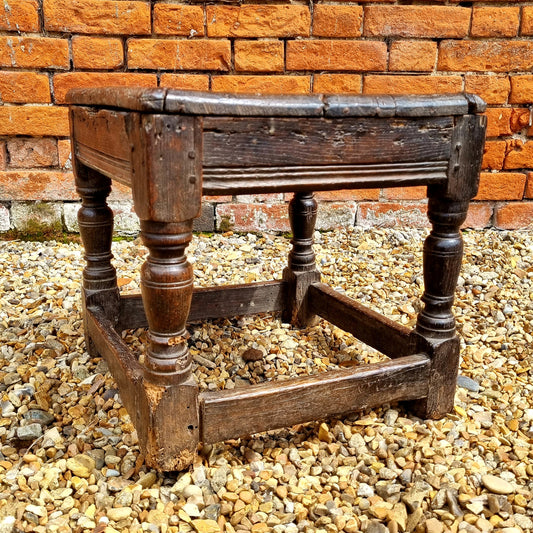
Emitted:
pixel 416 56
pixel 334 215
pixel 262 84
pixel 31 153
pixel 97 52
pixel 493 155
pixel 258 21
pixel 64 154
pixel 520 119
pixel 498 121
pixel 519 154
pixel 172 19
pixel 355 195
pixel 526 27
pixel 337 21
pixel 391 215
pixel 501 186
pixel 479 56
pixel 73 80
pixel 34 52
pixel 24 87
pixel 336 55
pixel 5 218
pixel 182 54
pixel 29 217
pixel 529 186
pixel 493 89
pixel 479 216
pixel 521 90
pixel 269 198
pixel 259 56
pixel 416 21
pixel 514 215
pixel 495 21
pixel 97 16
pixel 405 193
pixel 383 84
pixel 20 15
pixel 35 121
pixel 196 82
pixel 41 185
pixel 252 217
pixel 337 83
pixel 3 155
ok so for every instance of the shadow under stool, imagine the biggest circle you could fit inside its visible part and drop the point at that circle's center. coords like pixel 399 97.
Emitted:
pixel 171 147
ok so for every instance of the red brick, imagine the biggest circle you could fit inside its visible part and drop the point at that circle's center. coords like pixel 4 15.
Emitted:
pixel 34 120
pixel 498 121
pixel 529 186
pixel 336 55
pixel 390 215
pixel 195 82
pixel 494 155
pixel 3 155
pixel 389 84
pixel 521 90
pixel 32 153
pixel 97 16
pixel 479 216
pixel 64 154
pixel 416 21
pixel 34 52
pixel 527 21
pixel 73 80
pixel 40 185
pixel 356 195
pixel 519 154
pixel 337 21
pixel 262 84
pixel 480 56
pixel 182 54
pixel 416 56
pixel 24 87
pixel 20 15
pixel 253 217
pixel 259 56
pixel 520 119
pixel 405 193
pixel 515 215
pixel 258 21
pixel 495 21
pixel 337 83
pixel 172 19
pixel 217 199
pixel 501 186
pixel 493 89
pixel 97 52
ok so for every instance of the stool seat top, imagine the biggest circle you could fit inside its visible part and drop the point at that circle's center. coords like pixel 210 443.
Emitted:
pixel 163 100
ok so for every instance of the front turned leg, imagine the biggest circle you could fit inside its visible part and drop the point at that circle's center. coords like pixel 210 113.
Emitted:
pixel 95 220
pixel 443 251
pixel 302 270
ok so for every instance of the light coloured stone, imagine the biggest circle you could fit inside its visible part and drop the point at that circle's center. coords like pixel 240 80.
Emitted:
pixel 81 465
pixel 497 485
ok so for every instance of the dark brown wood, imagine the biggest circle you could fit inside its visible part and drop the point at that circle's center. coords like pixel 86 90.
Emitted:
pixel 383 334
pixel 163 142
pixel 249 142
pixel 213 302
pixel 301 270
pixel 168 442
pixel 235 413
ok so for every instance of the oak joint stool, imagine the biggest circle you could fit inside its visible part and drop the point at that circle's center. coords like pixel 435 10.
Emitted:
pixel 170 147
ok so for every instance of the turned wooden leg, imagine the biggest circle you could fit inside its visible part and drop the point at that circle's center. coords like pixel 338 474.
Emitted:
pixel 95 220
pixel 443 251
pixel 302 270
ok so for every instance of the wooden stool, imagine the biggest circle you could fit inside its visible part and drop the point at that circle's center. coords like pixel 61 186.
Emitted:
pixel 171 147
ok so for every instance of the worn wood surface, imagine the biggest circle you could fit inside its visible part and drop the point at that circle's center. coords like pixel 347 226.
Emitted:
pixel 244 411
pixel 383 334
pixel 213 302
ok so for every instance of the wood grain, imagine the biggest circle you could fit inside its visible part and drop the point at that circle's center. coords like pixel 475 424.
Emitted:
pixel 240 412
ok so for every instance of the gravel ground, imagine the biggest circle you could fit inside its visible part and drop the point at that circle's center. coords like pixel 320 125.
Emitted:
pixel 69 459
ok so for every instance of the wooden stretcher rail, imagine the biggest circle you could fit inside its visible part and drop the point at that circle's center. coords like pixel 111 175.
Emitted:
pixel 232 413
pixel 213 302
pixel 383 334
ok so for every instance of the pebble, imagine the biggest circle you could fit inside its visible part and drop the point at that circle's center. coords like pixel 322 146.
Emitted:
pixel 497 485
pixel 467 383
pixel 81 465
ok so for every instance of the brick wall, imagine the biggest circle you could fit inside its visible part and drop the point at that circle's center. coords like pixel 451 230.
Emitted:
pixel 49 46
